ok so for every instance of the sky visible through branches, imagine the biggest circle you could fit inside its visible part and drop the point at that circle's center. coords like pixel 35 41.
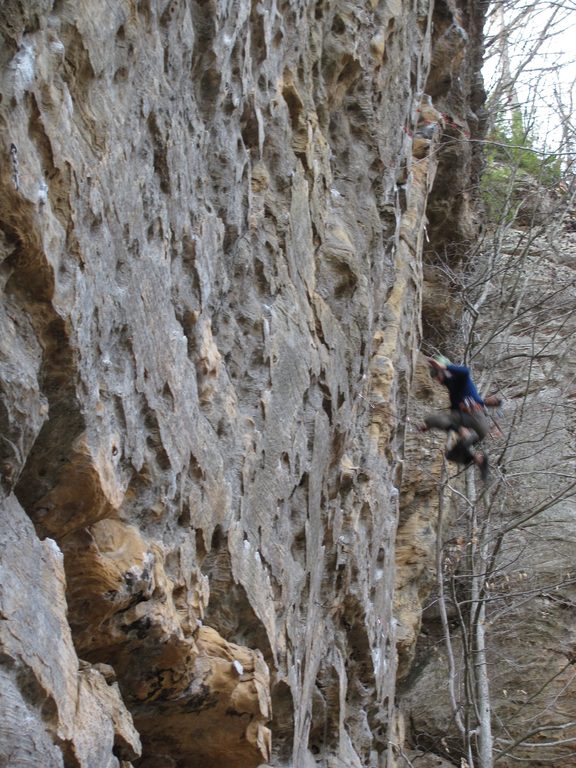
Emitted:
pixel 530 61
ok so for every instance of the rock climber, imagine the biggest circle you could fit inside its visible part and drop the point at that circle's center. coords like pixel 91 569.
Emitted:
pixel 467 415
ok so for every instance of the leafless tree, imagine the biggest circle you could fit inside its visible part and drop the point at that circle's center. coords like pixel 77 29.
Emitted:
pixel 519 316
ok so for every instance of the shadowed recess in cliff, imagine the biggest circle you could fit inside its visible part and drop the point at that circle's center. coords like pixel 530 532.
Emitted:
pixel 229 610
pixel 49 461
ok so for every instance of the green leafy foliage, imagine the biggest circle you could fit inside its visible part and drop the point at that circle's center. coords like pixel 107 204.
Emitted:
pixel 513 164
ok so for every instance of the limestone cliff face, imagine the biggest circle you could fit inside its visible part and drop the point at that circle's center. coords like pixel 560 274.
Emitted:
pixel 212 218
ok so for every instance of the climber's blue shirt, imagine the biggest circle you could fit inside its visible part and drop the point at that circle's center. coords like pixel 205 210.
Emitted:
pixel 460 386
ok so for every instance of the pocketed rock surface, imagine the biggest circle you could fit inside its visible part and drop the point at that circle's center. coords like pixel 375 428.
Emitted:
pixel 212 218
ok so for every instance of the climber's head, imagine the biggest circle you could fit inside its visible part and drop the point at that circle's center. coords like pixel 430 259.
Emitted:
pixel 438 368
pixel 437 374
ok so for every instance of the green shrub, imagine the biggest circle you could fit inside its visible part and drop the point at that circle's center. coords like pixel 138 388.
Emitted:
pixel 512 165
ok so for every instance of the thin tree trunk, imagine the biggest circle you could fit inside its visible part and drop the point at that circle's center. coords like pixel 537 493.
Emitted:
pixel 485 739
pixel 478 632
pixel 456 709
